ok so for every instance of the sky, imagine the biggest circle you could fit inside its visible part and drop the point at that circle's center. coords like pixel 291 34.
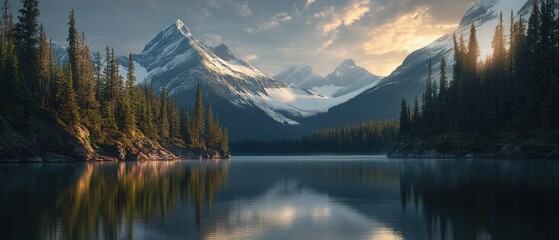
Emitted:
pixel 270 34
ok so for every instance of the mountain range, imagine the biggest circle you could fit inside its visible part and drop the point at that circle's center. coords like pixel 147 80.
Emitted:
pixel 297 101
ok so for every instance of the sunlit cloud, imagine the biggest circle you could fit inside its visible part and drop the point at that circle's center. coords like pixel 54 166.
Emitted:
pixel 309 3
pixel 408 32
pixel 333 18
pixel 273 23
pixel 251 57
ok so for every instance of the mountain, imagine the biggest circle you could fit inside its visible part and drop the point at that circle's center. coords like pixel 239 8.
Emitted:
pixel 250 103
pixel 348 78
pixel 300 76
pixel 408 80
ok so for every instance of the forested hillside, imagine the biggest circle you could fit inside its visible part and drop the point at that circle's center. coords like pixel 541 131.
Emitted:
pixel 505 106
pixel 367 138
pixel 85 109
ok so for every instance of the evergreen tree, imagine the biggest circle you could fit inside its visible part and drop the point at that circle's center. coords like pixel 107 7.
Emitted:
pixel 163 116
pixel 44 75
pixel 145 117
pixel 212 129
pixel 68 108
pixel 405 125
pixel 225 143
pixel 87 102
pixel 98 84
pixel 174 121
pixel 442 113
pixel 130 77
pixel 197 122
pixel 185 127
pixel 10 84
pixel 74 50
pixel 127 100
pixel 27 40
pixel 416 118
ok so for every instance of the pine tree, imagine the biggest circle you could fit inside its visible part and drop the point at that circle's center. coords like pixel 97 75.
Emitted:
pixel 197 122
pixel 225 143
pixel 44 75
pixel 127 100
pixel 27 40
pixel 163 116
pixel 442 113
pixel 416 119
pixel 74 51
pixel 98 84
pixel 145 116
pixel 174 121
pixel 10 83
pixel 185 127
pixel 68 108
pixel 405 125
pixel 87 102
pixel 212 129
pixel 130 77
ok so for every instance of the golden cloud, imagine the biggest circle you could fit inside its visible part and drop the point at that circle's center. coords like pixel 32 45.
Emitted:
pixel 407 33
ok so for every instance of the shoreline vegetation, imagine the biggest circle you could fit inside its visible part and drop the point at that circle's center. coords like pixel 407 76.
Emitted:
pixel 82 109
pixel 363 139
pixel 504 107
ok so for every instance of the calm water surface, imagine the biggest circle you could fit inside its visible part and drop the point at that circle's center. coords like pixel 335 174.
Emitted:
pixel 320 197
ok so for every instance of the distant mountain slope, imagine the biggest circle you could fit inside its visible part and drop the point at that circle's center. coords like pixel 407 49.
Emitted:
pixel 408 80
pixel 346 79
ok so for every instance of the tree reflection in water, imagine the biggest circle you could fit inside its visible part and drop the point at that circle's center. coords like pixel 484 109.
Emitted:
pixel 108 200
pixel 484 199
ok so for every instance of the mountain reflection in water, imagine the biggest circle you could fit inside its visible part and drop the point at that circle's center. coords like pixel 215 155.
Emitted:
pixel 282 198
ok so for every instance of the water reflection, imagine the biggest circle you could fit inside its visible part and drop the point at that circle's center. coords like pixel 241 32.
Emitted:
pixel 484 199
pixel 282 198
pixel 93 201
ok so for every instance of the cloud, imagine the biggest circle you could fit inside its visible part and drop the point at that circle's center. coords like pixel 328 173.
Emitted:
pixel 212 39
pixel 243 9
pixel 406 33
pixel 214 3
pixel 332 19
pixel 251 57
pixel 273 23
pixel 309 3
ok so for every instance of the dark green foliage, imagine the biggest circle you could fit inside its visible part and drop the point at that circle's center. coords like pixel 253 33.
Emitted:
pixel 197 123
pixel 185 127
pixel 405 120
pixel 74 49
pixel 27 40
pixel 68 108
pixel 144 114
pixel 174 121
pixel 366 138
pixel 512 95
pixel 163 121
pixel 212 130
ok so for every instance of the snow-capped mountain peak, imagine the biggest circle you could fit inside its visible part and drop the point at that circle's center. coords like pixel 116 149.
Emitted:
pixel 183 29
pixel 349 63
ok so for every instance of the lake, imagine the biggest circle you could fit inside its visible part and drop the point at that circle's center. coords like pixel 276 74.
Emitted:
pixel 319 197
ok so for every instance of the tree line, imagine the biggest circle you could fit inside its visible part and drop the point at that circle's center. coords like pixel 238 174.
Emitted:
pixel 513 94
pixel 88 92
pixel 366 138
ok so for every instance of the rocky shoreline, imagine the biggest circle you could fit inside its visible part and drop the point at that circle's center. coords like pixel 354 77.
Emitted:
pixel 422 150
pixel 78 148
